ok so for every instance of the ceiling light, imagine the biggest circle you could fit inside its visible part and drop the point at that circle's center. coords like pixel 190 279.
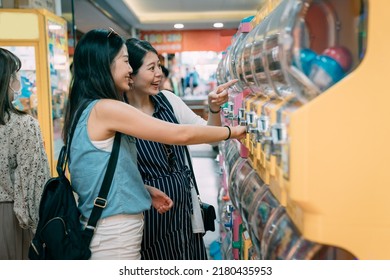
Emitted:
pixel 218 25
pixel 178 26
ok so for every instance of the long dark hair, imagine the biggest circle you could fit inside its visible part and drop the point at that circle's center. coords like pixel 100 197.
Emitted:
pixel 137 50
pixel 92 78
pixel 10 64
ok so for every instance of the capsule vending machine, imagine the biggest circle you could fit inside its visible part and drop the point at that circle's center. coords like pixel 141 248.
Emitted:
pixel 253 75
pixel 228 156
pixel 235 155
pixel 292 38
pixel 240 171
pixel 318 42
pixel 249 93
pixel 228 67
pixel 233 60
pixel 39 38
pixel 324 152
pixel 337 182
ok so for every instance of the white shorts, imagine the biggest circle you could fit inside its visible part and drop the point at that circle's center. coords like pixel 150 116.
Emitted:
pixel 117 237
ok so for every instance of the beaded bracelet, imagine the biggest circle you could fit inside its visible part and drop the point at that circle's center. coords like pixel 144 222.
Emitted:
pixel 230 132
pixel 214 112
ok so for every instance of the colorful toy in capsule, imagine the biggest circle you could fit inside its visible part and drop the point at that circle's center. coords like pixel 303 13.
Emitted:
pixel 306 57
pixel 342 55
pixel 330 67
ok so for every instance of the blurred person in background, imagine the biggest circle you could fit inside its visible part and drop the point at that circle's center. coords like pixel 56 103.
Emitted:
pixel 24 167
pixel 192 80
pixel 169 236
pixel 165 80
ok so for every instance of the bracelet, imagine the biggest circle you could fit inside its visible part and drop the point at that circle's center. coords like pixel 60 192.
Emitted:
pixel 214 112
pixel 230 132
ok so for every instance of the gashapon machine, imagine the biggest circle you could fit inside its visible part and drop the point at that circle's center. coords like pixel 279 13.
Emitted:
pixel 233 149
pixel 240 170
pixel 232 60
pixel 231 220
pixel 317 130
pixel 39 38
pixel 228 155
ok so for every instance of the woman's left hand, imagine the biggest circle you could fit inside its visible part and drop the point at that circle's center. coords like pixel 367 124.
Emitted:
pixel 220 95
pixel 160 201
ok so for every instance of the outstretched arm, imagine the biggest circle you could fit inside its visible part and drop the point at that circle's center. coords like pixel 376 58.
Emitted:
pixel 109 116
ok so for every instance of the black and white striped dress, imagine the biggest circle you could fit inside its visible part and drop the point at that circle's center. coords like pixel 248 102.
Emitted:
pixel 168 236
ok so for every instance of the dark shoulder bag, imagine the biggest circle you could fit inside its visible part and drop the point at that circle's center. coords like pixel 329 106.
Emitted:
pixel 208 210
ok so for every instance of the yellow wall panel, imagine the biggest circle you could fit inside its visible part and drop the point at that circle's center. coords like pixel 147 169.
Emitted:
pixel 19 26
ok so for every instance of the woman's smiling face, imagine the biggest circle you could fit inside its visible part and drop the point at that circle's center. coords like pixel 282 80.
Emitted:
pixel 121 70
pixel 149 75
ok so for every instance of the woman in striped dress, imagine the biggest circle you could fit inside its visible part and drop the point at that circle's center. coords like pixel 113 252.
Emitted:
pixel 169 236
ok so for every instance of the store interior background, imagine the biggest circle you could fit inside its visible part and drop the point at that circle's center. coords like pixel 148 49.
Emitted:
pixel 297 184
pixel 198 45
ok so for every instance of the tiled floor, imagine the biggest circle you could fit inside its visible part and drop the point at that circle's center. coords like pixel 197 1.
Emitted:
pixel 206 170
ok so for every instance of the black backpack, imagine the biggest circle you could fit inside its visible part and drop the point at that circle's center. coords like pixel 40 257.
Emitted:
pixel 59 234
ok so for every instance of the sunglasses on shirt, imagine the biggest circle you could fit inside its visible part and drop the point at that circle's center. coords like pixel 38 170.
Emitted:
pixel 171 158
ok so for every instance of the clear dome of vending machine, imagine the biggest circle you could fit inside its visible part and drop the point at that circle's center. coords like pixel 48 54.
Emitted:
pixel 243 29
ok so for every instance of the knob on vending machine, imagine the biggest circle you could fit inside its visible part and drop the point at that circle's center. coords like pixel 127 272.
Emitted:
pixel 229 112
pixel 241 117
pixel 264 130
pixel 251 122
pixel 279 137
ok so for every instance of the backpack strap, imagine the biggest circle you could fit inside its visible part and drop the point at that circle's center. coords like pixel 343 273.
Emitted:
pixel 64 154
pixel 100 201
